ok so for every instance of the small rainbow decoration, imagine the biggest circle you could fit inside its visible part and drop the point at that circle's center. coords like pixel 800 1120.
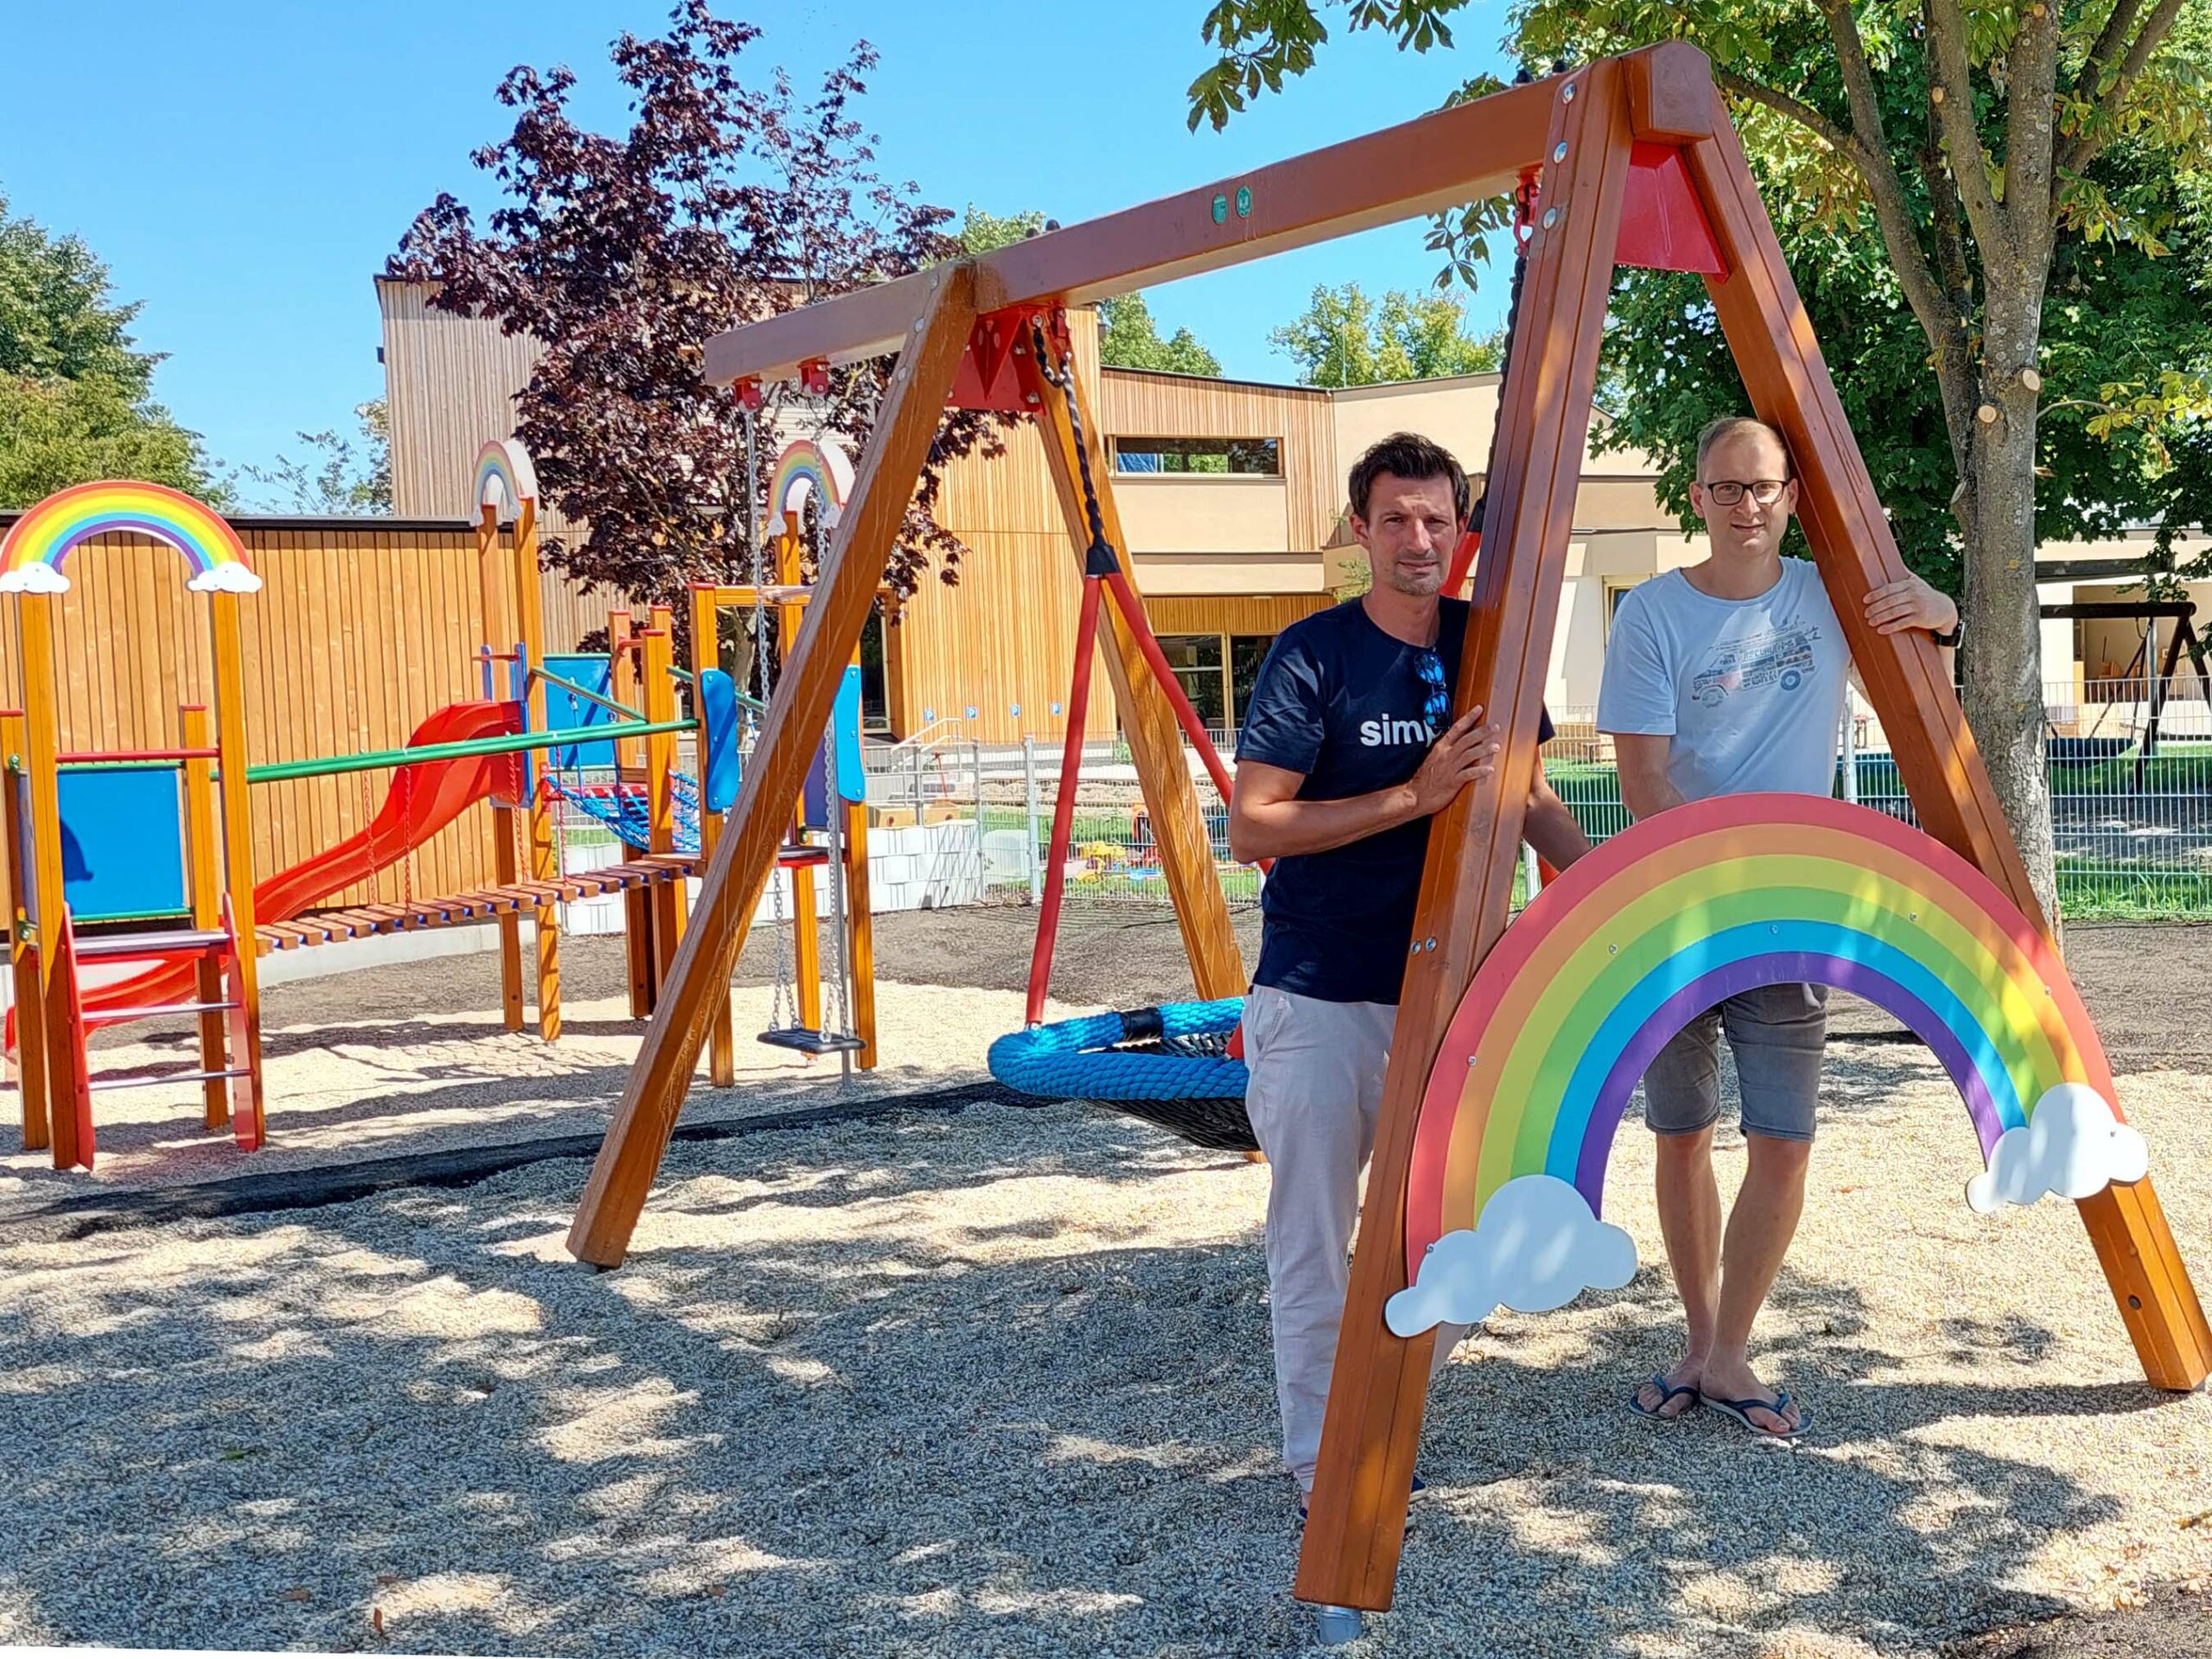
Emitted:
pixel 505 478
pixel 32 555
pixel 1664 922
pixel 807 465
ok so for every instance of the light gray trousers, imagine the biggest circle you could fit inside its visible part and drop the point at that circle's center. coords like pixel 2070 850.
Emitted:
pixel 1315 1089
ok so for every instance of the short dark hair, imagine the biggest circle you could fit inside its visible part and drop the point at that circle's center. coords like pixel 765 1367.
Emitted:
pixel 1727 426
pixel 1407 454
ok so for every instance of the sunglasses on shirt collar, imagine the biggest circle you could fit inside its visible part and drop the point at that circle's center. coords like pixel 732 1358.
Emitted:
pixel 1438 710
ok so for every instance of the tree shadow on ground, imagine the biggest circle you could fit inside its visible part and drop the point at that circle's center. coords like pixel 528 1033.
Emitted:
pixel 899 1416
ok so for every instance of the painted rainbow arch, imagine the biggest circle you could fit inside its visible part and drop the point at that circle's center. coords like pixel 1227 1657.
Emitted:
pixel 809 465
pixel 32 555
pixel 505 478
pixel 1664 922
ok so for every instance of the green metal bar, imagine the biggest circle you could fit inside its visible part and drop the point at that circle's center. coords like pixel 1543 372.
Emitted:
pixel 588 695
pixel 277 771
pixel 686 675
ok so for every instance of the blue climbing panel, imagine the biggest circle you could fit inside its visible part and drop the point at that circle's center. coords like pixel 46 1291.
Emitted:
pixel 565 710
pixel 122 843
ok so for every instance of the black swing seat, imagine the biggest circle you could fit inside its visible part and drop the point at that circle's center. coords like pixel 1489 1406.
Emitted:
pixel 805 1040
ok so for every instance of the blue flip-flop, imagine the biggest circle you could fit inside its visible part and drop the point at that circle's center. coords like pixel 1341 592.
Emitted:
pixel 1659 1414
pixel 1741 1410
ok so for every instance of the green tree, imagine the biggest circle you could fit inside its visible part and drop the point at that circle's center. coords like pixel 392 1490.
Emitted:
pixel 980 232
pixel 54 432
pixel 1130 339
pixel 1128 336
pixel 75 397
pixel 334 478
pixel 1344 339
pixel 1974 143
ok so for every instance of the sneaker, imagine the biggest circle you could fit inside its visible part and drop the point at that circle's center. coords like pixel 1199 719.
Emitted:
pixel 1420 1486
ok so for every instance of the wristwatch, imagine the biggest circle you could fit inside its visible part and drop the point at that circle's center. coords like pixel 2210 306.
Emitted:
pixel 1958 632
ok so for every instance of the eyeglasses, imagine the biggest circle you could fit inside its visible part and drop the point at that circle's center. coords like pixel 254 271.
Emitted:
pixel 1438 710
pixel 1727 491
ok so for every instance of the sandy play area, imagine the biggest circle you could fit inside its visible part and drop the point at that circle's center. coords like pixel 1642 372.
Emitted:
pixel 918 1370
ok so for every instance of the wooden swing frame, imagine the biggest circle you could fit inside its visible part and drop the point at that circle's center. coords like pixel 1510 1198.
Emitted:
pixel 1639 163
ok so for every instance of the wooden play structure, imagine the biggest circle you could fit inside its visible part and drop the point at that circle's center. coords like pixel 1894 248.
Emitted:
pixel 138 843
pixel 133 890
pixel 1635 161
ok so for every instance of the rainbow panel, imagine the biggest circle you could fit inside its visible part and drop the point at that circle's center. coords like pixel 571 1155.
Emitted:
pixel 809 465
pixel 505 478
pixel 1698 904
pixel 32 555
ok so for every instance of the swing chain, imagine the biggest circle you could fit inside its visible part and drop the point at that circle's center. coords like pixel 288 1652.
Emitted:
pixel 1099 559
pixel 832 814
pixel 762 678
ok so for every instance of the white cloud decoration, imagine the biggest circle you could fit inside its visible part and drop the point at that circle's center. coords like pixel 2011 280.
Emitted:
pixel 34 579
pixel 232 578
pixel 2072 1144
pixel 1535 1248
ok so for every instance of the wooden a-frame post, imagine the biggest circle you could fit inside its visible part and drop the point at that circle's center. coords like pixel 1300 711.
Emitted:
pixel 1357 1512
pixel 1772 342
pixel 914 403
pixel 1379 1387
pixel 1597 135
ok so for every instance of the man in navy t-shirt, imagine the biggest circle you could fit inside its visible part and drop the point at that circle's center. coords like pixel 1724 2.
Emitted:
pixel 1349 745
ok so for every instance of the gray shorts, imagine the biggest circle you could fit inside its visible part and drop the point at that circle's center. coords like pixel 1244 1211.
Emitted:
pixel 1775 1033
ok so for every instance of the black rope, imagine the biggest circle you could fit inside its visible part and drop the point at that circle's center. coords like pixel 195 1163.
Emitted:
pixel 1099 559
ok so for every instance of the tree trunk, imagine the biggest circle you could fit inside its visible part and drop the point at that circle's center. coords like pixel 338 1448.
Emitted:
pixel 2004 643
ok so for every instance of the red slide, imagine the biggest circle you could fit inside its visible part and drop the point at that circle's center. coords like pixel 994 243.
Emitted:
pixel 422 798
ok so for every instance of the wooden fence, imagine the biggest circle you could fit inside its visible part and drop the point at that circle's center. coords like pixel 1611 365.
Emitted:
pixel 362 629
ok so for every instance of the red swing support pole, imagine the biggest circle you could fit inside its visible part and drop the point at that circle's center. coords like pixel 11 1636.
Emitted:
pixel 1056 857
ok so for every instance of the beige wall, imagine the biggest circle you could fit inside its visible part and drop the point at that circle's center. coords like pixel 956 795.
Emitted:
pixel 1259 574
pixel 1203 512
pixel 1460 413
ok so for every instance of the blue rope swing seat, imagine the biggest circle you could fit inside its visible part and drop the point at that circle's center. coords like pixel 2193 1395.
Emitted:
pixel 1169 1066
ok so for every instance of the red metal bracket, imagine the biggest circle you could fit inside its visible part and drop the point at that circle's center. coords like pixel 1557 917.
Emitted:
pixel 749 392
pixel 1663 228
pixel 997 370
pixel 814 376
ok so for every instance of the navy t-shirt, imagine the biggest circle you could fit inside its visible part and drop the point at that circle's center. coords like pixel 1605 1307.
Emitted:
pixel 1344 702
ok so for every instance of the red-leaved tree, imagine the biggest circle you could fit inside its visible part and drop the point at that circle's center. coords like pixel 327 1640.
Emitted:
pixel 725 201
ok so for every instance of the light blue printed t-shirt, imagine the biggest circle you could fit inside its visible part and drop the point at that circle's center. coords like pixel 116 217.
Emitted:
pixel 1751 689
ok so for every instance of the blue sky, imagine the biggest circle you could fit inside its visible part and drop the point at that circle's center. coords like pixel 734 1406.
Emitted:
pixel 246 168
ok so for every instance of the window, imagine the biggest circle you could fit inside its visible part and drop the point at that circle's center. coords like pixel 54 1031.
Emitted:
pixel 1616 589
pixel 1196 658
pixel 1253 457
pixel 876 692
pixel 1246 653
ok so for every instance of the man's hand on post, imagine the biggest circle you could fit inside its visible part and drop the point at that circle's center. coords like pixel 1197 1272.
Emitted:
pixel 1908 602
pixel 1466 752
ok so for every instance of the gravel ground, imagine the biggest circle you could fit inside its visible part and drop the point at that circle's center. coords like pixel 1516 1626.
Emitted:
pixel 996 1380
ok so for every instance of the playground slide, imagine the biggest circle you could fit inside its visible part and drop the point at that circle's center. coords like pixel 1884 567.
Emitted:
pixel 422 799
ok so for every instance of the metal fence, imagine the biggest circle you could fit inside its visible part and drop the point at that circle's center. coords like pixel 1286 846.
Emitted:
pixel 1011 790
pixel 2131 806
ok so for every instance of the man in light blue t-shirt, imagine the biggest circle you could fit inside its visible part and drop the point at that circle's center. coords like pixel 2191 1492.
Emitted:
pixel 1727 679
